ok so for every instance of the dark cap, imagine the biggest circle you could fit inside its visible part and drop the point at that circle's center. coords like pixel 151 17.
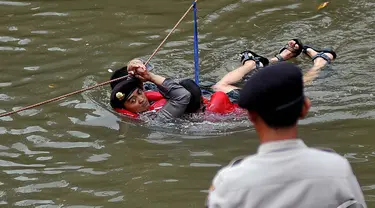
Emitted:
pixel 122 91
pixel 274 88
pixel 118 73
pixel 124 72
pixel 196 95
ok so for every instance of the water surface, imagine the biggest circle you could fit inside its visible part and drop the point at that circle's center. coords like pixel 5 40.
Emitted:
pixel 77 152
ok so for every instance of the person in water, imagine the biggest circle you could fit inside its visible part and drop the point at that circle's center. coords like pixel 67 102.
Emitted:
pixel 251 62
pixel 129 96
pixel 132 97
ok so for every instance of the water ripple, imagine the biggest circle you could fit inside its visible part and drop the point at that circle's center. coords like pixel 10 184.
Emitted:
pixel 36 139
pixel 170 180
pixel 12 28
pixel 44 158
pixel 117 199
pixel 4 163
pixel 353 158
pixel 14 3
pixel 98 158
pixel 31 68
pixel 21 172
pixel 29 202
pixel 27 130
pixel 200 154
pixel 8 39
pixel 1 146
pixel 23 148
pixel 68 167
pixel 79 134
pixel 51 14
pixel 11 155
pixel 24 178
pixel 92 171
pixel 204 165
pixel 75 39
pixel 40 32
pixel 4 97
pixel 4 48
pixel 69 145
pixel 106 193
pixel 5 84
pixel 57 49
pixel 5 118
pixel 165 164
pixel 38 187
pixel 24 41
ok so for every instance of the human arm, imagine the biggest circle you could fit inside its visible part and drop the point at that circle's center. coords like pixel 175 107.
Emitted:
pixel 356 190
pixel 221 194
pixel 178 99
pixel 177 96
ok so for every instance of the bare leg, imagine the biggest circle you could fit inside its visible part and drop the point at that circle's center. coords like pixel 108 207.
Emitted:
pixel 319 64
pixel 225 84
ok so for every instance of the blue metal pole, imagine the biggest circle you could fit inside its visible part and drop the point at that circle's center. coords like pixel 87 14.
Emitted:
pixel 196 52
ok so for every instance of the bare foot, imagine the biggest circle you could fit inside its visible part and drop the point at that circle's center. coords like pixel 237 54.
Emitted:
pixel 251 64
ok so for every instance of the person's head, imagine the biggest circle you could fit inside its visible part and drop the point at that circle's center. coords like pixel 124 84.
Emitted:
pixel 274 97
pixel 116 74
pixel 128 94
pixel 196 95
pixel 124 72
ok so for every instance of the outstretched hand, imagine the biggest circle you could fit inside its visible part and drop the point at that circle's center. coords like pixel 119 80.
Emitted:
pixel 138 69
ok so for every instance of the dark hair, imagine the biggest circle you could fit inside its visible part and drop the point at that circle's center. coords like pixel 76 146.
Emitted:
pixel 196 95
pixel 118 73
pixel 283 118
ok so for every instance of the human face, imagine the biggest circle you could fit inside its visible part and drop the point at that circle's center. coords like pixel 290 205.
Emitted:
pixel 137 102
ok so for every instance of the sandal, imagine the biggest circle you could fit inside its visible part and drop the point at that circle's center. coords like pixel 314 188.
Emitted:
pixel 250 55
pixel 296 52
pixel 321 53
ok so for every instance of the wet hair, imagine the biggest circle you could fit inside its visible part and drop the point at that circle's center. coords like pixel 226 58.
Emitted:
pixel 196 95
pixel 118 73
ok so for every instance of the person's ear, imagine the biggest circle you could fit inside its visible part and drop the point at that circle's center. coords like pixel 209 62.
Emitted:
pixel 305 108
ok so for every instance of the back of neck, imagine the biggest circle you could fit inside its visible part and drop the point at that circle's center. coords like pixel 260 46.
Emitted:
pixel 267 134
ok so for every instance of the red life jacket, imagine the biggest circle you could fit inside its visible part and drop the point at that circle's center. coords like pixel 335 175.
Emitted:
pixel 218 103
pixel 154 97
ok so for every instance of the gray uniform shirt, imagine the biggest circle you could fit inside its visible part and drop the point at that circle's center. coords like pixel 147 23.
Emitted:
pixel 178 99
pixel 286 174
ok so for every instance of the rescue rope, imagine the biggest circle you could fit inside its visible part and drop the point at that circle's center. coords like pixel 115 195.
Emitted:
pixel 103 83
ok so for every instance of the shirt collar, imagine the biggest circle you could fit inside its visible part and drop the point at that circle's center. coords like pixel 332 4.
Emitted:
pixel 282 145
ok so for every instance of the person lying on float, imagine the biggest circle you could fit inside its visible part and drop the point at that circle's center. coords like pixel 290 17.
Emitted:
pixel 225 95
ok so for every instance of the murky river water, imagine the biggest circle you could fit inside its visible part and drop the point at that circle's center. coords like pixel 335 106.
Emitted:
pixel 78 153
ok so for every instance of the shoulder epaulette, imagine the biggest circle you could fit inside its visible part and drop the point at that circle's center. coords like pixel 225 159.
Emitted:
pixel 325 149
pixel 236 161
